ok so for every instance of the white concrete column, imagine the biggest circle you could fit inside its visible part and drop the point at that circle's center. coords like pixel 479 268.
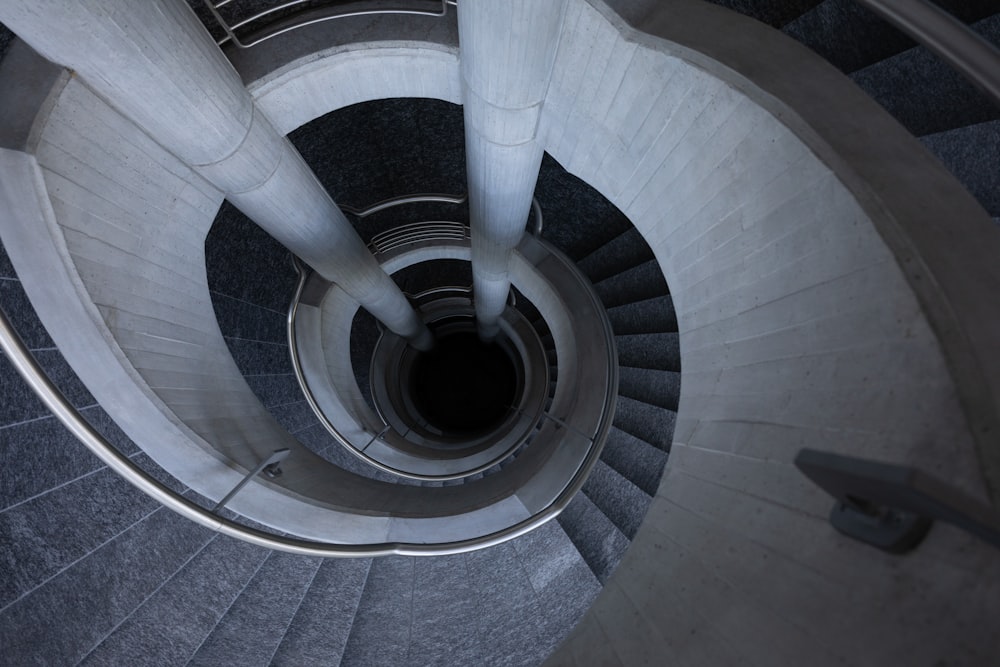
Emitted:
pixel 156 63
pixel 507 51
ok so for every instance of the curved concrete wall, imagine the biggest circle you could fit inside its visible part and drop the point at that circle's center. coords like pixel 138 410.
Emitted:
pixel 798 329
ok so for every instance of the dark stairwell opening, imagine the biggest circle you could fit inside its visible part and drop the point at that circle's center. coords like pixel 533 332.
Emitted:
pixel 463 386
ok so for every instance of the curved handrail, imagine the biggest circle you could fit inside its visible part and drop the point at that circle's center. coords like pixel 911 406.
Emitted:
pixel 961 47
pixel 307 17
pixel 25 364
pixel 418 232
pixel 331 428
pixel 405 199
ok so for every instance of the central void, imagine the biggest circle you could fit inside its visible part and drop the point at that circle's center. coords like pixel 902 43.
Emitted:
pixel 463 385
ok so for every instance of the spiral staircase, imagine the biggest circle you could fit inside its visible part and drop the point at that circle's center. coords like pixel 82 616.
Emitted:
pixel 96 572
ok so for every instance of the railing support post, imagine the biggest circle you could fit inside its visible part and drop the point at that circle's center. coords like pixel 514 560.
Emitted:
pixel 268 465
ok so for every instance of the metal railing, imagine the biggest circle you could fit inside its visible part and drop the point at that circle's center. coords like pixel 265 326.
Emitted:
pixel 244 32
pixel 419 232
pixel 50 395
pixel 435 232
pixel 331 428
pixel 892 507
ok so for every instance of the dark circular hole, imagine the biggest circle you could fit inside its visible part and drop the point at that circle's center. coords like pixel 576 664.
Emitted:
pixel 463 385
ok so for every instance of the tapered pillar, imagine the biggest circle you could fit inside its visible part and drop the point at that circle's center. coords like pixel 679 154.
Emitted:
pixel 157 64
pixel 507 51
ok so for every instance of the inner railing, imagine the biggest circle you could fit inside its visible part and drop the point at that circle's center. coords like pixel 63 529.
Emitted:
pixel 218 519
pixel 244 25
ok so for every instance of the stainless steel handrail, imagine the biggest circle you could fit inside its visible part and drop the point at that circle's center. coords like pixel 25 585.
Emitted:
pixel 418 232
pixel 405 199
pixel 63 410
pixel 962 48
pixel 305 18
pixel 332 429
pixel 537 208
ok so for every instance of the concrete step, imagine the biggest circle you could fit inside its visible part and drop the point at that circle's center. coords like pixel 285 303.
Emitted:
pixel 380 634
pixel 89 609
pixel 925 94
pixel 660 351
pixel 852 37
pixel 655 387
pixel 635 459
pixel 642 282
pixel 319 630
pixel 562 200
pixel 647 422
pixel 774 13
pixel 621 501
pixel 601 544
pixel 267 606
pixel 509 610
pixel 564 585
pixel 173 622
pixel 655 315
pixel 972 154
pixel 616 256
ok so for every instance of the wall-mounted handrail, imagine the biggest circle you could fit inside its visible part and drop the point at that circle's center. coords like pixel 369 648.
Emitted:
pixel 332 428
pixel 418 232
pixel 889 506
pixel 405 199
pixel 962 48
pixel 25 364
pixel 270 464
pixel 537 209
pixel 311 15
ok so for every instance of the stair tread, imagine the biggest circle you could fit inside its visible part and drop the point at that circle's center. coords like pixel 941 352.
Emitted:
pixel 640 283
pixel 99 507
pixel 564 585
pixel 659 351
pixel 508 610
pixel 175 620
pixel 924 93
pixel 649 385
pixel 321 624
pixel 852 37
pixel 616 256
pixel 380 634
pixel 85 619
pixel 621 501
pixel 775 13
pixel 562 200
pixel 647 422
pixel 445 602
pixel 601 544
pixel 847 35
pixel 635 459
pixel 250 631
pixel 972 154
pixel 655 315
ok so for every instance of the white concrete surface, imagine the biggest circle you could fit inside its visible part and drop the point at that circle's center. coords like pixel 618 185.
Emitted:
pixel 158 65
pixel 507 51
pixel 798 329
